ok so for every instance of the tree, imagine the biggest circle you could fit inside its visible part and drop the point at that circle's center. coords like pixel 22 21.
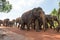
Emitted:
pixel 5 6
pixel 54 12
pixel 59 11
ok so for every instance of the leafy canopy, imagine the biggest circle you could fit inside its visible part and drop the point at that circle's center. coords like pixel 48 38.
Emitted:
pixel 5 6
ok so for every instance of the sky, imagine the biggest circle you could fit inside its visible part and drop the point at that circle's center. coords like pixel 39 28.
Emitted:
pixel 21 6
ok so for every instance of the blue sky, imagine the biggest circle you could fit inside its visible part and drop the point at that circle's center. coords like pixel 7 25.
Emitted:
pixel 21 6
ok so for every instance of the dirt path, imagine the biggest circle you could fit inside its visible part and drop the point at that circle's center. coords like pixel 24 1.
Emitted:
pixel 7 34
pixel 33 35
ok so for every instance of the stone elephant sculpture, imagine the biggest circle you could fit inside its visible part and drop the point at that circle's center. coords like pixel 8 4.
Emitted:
pixel 30 16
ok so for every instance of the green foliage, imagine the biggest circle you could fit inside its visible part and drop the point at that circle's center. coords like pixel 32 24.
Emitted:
pixel 6 6
pixel 59 13
pixel 54 12
pixel 3 0
pixel 55 24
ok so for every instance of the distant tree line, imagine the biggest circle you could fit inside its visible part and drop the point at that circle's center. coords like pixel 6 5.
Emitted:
pixel 56 12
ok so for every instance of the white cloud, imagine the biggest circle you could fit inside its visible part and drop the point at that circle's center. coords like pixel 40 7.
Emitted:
pixel 19 6
pixel 20 3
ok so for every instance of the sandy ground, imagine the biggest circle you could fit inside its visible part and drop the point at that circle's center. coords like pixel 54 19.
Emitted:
pixel 8 33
